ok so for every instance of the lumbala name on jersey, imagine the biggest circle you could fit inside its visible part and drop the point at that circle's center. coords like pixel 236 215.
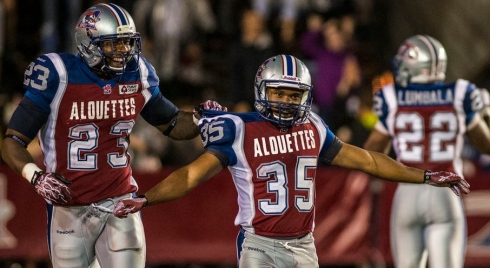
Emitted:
pixel 414 97
pixel 286 143
pixel 103 109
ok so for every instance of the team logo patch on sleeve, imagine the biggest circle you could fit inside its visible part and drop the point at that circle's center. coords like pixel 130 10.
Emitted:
pixel 128 89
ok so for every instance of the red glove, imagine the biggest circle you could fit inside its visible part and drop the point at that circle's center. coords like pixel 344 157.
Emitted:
pixel 53 187
pixel 447 179
pixel 207 105
pixel 129 205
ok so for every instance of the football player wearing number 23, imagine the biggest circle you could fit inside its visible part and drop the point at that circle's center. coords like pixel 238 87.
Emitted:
pixel 272 155
pixel 426 119
pixel 82 108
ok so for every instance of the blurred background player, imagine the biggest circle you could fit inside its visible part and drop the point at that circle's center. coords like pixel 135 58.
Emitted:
pixel 425 120
pixel 272 155
pixel 83 108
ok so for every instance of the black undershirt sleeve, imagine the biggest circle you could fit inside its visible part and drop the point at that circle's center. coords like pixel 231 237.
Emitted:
pixel 221 156
pixel 332 151
pixel 159 111
pixel 28 118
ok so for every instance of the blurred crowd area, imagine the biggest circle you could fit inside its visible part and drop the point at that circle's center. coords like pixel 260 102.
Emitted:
pixel 211 49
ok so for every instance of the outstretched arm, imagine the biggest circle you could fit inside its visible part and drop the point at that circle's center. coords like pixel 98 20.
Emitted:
pixel 384 167
pixel 182 127
pixel 377 164
pixel 176 185
pixel 183 180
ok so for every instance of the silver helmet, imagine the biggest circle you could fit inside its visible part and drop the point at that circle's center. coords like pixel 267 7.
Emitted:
pixel 283 71
pixel 106 22
pixel 420 59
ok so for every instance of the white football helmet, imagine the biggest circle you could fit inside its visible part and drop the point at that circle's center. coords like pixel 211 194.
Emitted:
pixel 420 59
pixel 283 71
pixel 106 22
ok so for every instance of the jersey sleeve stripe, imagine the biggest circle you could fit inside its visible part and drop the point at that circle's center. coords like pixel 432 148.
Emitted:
pixel 321 126
pixel 242 170
pixel 460 90
pixel 50 155
pixel 391 101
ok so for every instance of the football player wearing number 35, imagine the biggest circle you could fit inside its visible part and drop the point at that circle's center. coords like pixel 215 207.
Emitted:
pixel 83 108
pixel 425 119
pixel 272 155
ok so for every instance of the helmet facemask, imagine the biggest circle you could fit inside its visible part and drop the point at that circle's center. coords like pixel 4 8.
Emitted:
pixel 116 62
pixel 107 23
pixel 270 75
pixel 284 114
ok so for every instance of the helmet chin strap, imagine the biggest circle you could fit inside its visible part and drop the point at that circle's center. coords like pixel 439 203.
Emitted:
pixel 103 72
pixel 281 121
pixel 282 118
pixel 111 72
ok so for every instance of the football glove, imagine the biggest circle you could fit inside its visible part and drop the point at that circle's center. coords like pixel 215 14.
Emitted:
pixel 129 205
pixel 52 187
pixel 207 105
pixel 447 179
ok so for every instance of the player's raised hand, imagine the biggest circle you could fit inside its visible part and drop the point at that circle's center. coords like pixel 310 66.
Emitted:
pixel 207 105
pixel 447 179
pixel 129 205
pixel 53 187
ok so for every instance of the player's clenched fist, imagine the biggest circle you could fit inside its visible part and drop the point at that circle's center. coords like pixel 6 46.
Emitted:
pixel 129 205
pixel 447 179
pixel 53 187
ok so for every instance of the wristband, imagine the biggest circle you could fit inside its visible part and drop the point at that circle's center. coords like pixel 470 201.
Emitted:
pixel 17 139
pixel 170 127
pixel 29 170
pixel 427 176
pixel 143 196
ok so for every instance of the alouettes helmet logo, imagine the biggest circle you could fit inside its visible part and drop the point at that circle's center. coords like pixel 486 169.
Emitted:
pixel 89 19
pixel 262 68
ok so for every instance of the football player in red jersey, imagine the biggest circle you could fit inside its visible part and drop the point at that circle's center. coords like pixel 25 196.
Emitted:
pixel 425 119
pixel 272 155
pixel 82 108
